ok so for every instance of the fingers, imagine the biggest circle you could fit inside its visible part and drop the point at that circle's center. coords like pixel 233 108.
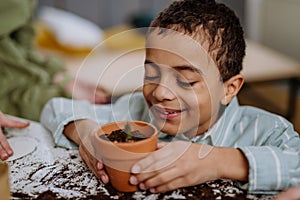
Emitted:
pixel 5 149
pixel 167 180
pixel 141 177
pixel 154 162
pixel 289 194
pixel 94 165
pixel 88 91
pixel 103 175
pixel 101 99
pixel 153 179
pixel 89 160
pixel 15 124
pixel 166 169
pixel 11 123
pixel 101 96
pixel 161 158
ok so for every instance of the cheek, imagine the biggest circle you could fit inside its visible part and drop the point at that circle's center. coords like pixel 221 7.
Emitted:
pixel 147 91
pixel 199 101
pixel 217 94
pixel 200 95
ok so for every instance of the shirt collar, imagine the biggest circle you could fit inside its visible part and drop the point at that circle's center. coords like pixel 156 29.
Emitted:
pixel 214 135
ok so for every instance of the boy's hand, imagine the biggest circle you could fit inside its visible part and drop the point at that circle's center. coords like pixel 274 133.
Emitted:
pixel 81 132
pixel 292 193
pixel 173 166
pixel 182 164
pixel 95 165
pixel 5 149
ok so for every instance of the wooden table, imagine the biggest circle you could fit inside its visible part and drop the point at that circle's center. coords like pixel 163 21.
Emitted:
pixel 264 65
pixel 50 172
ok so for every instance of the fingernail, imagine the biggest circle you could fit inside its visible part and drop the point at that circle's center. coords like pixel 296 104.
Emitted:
pixel 99 166
pixel 104 179
pixel 142 186
pixel 4 156
pixel 152 190
pixel 136 169
pixel 133 180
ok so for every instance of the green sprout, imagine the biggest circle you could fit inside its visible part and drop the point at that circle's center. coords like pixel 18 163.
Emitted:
pixel 128 131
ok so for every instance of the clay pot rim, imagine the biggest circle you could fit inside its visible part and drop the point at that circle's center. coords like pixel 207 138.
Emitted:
pixel 120 144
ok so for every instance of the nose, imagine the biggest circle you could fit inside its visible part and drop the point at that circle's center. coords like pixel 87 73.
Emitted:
pixel 163 92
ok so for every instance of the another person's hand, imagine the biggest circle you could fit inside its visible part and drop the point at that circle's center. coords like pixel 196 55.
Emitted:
pixel 5 149
pixel 85 91
pixel 82 90
pixel 292 193
pixel 182 164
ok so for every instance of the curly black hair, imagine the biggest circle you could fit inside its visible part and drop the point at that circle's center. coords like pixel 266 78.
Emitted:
pixel 212 22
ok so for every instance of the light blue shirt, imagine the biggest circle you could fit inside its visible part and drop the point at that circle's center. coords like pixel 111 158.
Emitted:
pixel 269 142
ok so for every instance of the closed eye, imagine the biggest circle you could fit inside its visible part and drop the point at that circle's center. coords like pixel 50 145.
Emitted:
pixel 152 72
pixel 185 84
pixel 151 78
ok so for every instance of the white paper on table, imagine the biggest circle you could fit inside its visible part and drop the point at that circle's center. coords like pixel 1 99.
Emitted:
pixel 22 146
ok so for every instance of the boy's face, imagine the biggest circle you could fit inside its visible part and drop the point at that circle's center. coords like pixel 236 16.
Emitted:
pixel 182 84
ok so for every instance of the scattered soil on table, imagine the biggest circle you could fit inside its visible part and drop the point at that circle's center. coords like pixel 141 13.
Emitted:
pixel 216 190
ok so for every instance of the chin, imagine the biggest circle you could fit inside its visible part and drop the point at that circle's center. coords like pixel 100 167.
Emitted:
pixel 167 128
pixel 171 127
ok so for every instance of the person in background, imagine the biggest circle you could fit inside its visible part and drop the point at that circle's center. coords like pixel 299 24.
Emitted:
pixel 5 149
pixel 27 78
pixel 193 63
pixel 25 75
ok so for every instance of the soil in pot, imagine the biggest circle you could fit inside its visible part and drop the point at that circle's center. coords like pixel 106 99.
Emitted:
pixel 124 135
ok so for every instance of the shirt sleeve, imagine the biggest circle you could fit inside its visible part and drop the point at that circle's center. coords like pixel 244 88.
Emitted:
pixel 59 112
pixel 274 165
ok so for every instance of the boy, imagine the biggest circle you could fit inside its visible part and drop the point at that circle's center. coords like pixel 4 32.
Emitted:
pixel 194 56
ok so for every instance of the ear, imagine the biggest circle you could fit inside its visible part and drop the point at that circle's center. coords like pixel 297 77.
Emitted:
pixel 232 87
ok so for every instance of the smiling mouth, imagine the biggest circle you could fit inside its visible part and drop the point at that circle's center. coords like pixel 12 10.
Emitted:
pixel 166 113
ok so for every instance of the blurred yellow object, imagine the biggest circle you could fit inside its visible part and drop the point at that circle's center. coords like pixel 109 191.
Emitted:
pixel 124 37
pixel 4 181
pixel 115 38
pixel 46 39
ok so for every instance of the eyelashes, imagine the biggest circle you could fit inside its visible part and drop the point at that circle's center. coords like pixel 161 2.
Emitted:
pixel 152 74
pixel 151 78
pixel 185 84
pixel 155 79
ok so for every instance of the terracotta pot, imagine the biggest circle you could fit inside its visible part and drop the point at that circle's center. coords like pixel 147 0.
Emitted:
pixel 118 158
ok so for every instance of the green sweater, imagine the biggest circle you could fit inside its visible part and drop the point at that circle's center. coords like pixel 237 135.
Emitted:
pixel 25 75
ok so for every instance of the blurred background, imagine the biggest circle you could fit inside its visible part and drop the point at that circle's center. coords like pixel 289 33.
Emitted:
pixel 274 23
pixel 70 29
pixel 271 23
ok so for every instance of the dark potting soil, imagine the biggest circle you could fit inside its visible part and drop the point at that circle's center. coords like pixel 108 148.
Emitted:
pixel 208 191
pixel 120 135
